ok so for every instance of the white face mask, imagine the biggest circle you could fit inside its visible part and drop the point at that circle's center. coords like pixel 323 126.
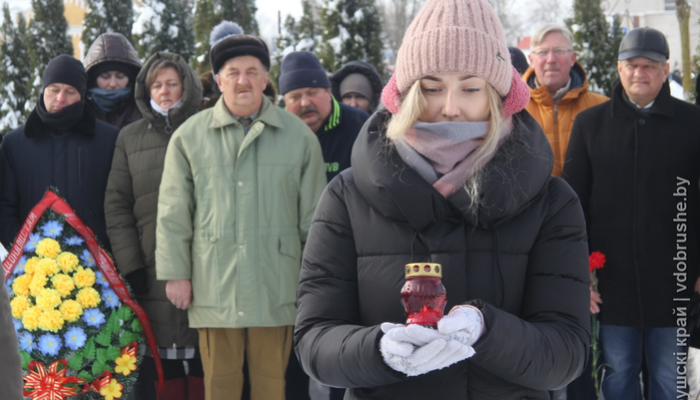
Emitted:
pixel 163 111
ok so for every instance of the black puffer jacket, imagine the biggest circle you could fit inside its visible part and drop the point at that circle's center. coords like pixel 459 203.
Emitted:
pixel 637 177
pixel 36 156
pixel 360 67
pixel 523 264
pixel 113 47
pixel 131 201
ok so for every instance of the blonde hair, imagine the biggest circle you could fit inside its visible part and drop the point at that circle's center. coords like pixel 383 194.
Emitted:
pixel 538 37
pixel 413 104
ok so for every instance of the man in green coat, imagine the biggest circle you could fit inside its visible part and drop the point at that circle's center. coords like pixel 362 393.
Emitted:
pixel 239 188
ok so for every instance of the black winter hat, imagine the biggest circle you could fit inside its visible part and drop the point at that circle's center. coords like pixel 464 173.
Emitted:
pixel 67 70
pixel 644 42
pixel 302 69
pixel 518 59
pixel 228 41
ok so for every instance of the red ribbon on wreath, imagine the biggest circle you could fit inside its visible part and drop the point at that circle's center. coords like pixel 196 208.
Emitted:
pixel 50 385
pixel 130 349
pixel 103 261
pixel 101 381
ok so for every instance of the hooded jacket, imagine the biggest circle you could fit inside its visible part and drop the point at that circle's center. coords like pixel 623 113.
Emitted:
pixel 76 162
pixel 522 262
pixel 637 176
pixel 360 67
pixel 557 119
pixel 113 48
pixel 132 198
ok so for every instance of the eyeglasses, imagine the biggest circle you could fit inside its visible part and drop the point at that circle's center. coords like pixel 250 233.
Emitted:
pixel 558 52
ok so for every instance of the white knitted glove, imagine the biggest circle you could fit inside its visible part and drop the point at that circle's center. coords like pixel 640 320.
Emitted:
pixel 416 350
pixel 463 324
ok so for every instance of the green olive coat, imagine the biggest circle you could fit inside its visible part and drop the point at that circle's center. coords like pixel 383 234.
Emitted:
pixel 234 210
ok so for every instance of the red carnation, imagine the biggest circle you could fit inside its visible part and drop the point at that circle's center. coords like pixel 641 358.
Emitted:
pixel 596 260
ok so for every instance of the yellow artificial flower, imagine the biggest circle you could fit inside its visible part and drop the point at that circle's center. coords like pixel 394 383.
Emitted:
pixel 63 284
pixel 48 299
pixel 51 321
pixel 30 265
pixel 19 305
pixel 71 310
pixel 30 318
pixel 20 287
pixel 49 248
pixel 112 391
pixel 84 277
pixel 46 266
pixel 37 284
pixel 125 364
pixel 88 298
pixel 67 261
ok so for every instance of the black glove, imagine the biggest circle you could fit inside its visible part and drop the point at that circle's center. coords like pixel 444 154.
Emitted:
pixel 138 280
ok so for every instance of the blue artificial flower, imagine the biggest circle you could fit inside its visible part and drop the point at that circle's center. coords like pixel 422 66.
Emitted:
pixel 26 342
pixel 19 268
pixel 110 298
pixel 93 317
pixel 33 241
pixel 87 258
pixel 8 286
pixel 50 344
pixel 75 337
pixel 74 241
pixel 100 278
pixel 52 229
pixel 18 324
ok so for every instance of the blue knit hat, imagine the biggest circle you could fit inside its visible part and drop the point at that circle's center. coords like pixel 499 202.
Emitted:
pixel 302 69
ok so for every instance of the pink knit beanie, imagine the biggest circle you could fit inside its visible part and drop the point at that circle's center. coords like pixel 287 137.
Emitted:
pixel 455 36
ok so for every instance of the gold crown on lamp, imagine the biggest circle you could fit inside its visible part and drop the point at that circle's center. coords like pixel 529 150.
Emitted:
pixel 423 269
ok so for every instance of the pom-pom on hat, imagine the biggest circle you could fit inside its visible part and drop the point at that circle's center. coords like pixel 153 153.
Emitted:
pixel 228 41
pixel 67 70
pixel 455 36
pixel 302 69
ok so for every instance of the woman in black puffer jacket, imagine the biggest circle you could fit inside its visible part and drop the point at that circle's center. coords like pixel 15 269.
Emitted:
pixel 453 173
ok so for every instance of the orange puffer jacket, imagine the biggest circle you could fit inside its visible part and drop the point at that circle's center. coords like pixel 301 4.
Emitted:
pixel 557 119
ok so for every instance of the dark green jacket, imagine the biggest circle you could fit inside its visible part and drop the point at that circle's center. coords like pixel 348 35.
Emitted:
pixel 132 199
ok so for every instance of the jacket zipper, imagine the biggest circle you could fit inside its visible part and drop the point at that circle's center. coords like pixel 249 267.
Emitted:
pixel 168 128
pixel 555 113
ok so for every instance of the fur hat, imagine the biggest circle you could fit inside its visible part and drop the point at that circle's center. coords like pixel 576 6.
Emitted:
pixel 228 41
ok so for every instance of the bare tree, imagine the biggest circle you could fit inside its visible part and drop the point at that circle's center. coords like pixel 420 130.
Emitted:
pixel 543 12
pixel 683 15
pixel 397 14
pixel 512 25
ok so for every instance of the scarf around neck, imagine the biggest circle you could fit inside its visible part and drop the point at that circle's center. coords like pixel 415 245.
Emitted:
pixel 61 120
pixel 107 100
pixel 443 152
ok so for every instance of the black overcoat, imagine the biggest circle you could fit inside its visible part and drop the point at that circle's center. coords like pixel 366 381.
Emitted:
pixel 637 177
pixel 523 263
pixel 36 156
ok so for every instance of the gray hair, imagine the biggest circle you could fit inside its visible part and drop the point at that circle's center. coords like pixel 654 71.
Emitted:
pixel 538 37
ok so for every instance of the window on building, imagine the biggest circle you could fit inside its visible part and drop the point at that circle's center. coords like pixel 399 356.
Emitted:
pixel 669 5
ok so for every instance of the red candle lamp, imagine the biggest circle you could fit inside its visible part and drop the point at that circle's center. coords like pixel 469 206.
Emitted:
pixel 423 295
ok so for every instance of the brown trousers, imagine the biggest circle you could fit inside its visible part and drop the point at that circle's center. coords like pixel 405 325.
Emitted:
pixel 223 350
